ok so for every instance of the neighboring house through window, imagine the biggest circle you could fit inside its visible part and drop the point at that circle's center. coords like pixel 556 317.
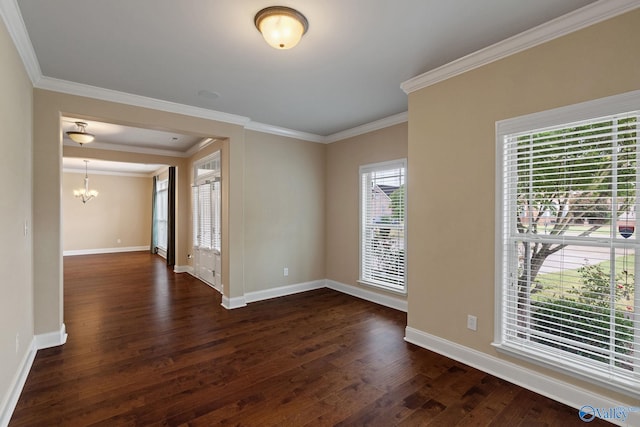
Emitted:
pixel 567 240
pixel 382 225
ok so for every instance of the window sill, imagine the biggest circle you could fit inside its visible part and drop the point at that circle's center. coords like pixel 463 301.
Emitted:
pixel 568 366
pixel 382 287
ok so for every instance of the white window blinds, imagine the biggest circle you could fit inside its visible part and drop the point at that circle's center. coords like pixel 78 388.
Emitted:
pixel 216 214
pixel 382 225
pixel 207 199
pixel 162 212
pixel 205 236
pixel 569 247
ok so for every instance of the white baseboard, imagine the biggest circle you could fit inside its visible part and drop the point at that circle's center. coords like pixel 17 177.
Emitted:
pixel 183 269
pixel 550 387
pixel 51 339
pixel 105 250
pixel 9 404
pixel 231 303
pixel 386 300
pixel 283 291
pixel 39 342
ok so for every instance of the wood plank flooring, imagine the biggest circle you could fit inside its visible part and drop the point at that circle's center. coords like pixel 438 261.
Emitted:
pixel 150 347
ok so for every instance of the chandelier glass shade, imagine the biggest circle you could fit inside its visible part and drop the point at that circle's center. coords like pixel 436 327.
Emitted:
pixel 282 27
pixel 81 136
pixel 84 193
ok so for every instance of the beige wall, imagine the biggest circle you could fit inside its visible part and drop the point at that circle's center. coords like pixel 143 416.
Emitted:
pixel 222 145
pixel 451 190
pixel 284 203
pixel 48 107
pixel 120 217
pixel 16 285
pixel 342 176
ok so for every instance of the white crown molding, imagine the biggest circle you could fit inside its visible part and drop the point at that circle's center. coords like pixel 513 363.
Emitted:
pixel 79 89
pixel 563 25
pixel 581 18
pixel 276 130
pixel 199 146
pixel 111 173
pixel 130 149
pixel 368 127
pixel 15 26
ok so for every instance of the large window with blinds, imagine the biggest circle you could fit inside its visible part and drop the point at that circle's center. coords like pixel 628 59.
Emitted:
pixel 383 225
pixel 567 249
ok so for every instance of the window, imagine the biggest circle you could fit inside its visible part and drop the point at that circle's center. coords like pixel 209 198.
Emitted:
pixel 162 200
pixel 382 225
pixel 567 249
pixel 206 200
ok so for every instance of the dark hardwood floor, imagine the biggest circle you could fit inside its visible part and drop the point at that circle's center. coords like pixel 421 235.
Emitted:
pixel 150 347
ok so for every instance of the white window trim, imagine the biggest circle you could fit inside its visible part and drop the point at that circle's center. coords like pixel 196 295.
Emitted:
pixel 162 186
pixel 391 164
pixel 213 177
pixel 601 107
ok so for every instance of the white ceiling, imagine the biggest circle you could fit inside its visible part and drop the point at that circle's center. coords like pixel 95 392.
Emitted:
pixel 95 166
pixel 345 72
pixel 205 58
pixel 131 138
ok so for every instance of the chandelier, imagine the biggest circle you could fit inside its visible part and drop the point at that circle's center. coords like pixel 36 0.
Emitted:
pixel 84 193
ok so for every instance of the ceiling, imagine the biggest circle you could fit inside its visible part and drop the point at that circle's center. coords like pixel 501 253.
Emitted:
pixel 207 54
pixel 96 166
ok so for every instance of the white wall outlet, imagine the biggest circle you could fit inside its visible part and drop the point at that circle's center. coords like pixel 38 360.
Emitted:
pixel 285 271
pixel 119 241
pixel 17 342
pixel 472 322
pixel 26 228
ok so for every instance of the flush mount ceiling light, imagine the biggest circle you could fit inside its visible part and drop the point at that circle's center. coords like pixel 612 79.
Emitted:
pixel 281 27
pixel 80 135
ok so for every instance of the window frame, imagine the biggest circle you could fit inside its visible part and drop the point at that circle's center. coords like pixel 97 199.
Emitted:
pixel 367 169
pixel 566 363
pixel 207 171
pixel 162 205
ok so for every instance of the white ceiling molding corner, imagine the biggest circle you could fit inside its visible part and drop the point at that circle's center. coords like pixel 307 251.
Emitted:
pixel 18 32
pixel 71 88
pixel 563 25
pixel 109 173
pixel 205 142
pixel 276 130
pixel 368 127
pixel 130 149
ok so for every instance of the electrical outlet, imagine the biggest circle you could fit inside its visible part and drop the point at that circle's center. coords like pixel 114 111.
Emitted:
pixel 17 342
pixel 286 271
pixel 119 241
pixel 472 322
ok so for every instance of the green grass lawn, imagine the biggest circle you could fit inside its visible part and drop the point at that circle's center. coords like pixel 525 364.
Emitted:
pixel 558 284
